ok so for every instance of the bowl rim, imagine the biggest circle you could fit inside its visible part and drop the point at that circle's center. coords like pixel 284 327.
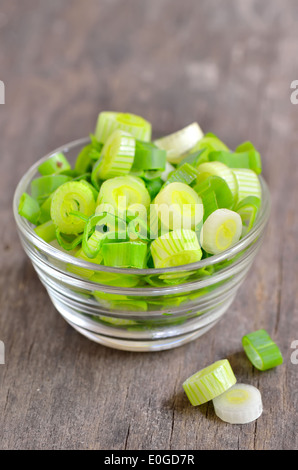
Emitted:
pixel 27 229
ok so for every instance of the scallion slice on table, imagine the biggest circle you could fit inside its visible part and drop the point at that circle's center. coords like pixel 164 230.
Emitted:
pixel 176 248
pixel 180 142
pixel 218 169
pixel 248 183
pixel 221 230
pixel 73 196
pixel 55 164
pixel 116 157
pixel 109 121
pixel 131 254
pixel 210 382
pixel 179 206
pixel 29 208
pixel 261 350
pixel 240 404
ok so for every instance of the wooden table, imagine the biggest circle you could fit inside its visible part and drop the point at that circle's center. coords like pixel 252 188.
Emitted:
pixel 226 64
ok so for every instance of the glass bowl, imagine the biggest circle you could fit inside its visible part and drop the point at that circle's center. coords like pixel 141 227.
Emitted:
pixel 138 309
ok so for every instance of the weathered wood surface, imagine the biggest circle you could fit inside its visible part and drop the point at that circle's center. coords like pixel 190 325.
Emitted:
pixel 226 64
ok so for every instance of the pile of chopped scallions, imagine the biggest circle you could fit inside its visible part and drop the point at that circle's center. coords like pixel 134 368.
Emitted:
pixel 133 202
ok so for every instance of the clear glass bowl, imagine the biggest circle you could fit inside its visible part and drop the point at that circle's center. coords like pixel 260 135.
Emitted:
pixel 133 309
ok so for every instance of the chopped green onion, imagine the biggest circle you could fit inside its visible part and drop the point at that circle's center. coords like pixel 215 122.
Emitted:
pixel 210 382
pixel 215 194
pixel 84 272
pixel 115 279
pixel 45 210
pixel 68 242
pixel 55 164
pixel 29 208
pixel 261 350
pixel 44 186
pixel 178 206
pixel 130 254
pixel 249 159
pixel 240 404
pixel 74 196
pixel 87 155
pixel 109 121
pixel 249 148
pixel 154 186
pixel 209 143
pixel 175 249
pixel 218 169
pixel 168 171
pixel 178 143
pixel 149 157
pixel 184 174
pixel 46 231
pixel 123 191
pixel 248 183
pixel 194 158
pixel 116 158
pixel 248 210
pixel 221 230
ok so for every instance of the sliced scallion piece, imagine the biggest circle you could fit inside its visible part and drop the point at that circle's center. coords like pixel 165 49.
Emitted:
pixel 215 194
pixel 29 208
pixel 218 169
pixel 154 186
pixel 149 157
pixel 248 148
pixel 186 173
pixel 116 157
pixel 45 210
pixel 176 248
pixel 109 121
pixel 44 186
pixel 249 159
pixel 87 156
pixel 73 196
pixel 123 191
pixel 178 206
pixel 54 164
pixel 248 183
pixel 180 142
pixel 248 210
pixel 221 230
pixel 209 143
pixel 84 272
pixel 261 350
pixel 130 254
pixel 46 231
pixel 68 242
pixel 210 382
pixel 240 404
pixel 168 171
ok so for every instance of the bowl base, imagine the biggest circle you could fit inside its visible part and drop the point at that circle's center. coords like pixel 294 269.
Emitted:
pixel 141 345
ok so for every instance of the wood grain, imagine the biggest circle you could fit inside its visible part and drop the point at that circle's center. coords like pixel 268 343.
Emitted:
pixel 226 64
